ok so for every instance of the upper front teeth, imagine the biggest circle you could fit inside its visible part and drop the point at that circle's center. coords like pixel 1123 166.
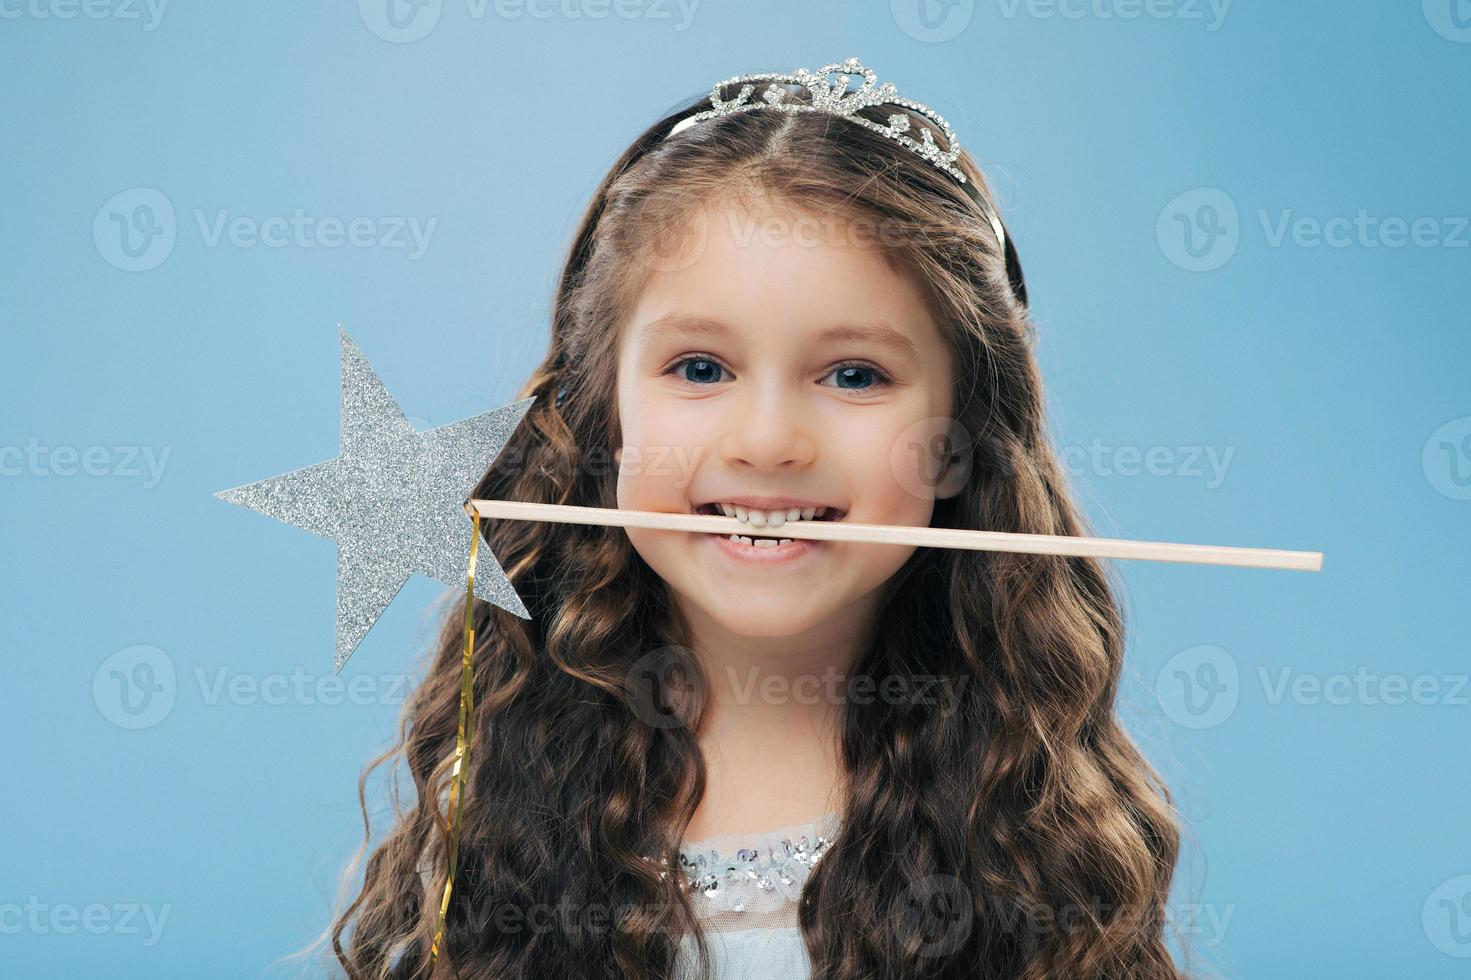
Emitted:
pixel 770 518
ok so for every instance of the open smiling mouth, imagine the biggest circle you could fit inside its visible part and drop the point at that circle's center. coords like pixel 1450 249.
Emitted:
pixel 765 525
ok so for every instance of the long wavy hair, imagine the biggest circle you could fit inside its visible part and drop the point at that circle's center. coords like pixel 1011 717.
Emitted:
pixel 1017 833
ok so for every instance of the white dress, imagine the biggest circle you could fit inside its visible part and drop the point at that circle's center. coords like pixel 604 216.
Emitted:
pixel 745 888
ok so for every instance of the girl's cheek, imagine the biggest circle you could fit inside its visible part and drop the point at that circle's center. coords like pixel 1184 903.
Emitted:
pixel 652 473
pixel 635 493
pixel 891 472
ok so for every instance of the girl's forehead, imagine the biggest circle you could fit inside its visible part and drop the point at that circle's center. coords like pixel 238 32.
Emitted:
pixel 740 270
pixel 747 234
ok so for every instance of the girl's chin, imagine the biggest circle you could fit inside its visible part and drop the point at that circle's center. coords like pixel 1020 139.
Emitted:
pixel 775 621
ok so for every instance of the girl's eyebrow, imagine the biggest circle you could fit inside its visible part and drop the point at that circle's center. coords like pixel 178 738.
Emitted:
pixel 878 333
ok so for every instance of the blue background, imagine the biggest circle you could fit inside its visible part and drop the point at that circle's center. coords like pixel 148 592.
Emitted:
pixel 1326 839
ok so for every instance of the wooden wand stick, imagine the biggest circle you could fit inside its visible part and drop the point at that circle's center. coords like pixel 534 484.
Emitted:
pixel 924 537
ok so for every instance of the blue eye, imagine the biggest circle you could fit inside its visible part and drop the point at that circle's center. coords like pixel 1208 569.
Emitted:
pixel 857 373
pixel 702 369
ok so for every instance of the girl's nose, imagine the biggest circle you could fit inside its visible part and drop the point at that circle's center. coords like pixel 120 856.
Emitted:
pixel 770 428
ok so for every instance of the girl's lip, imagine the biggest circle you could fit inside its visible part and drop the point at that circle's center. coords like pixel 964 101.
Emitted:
pixel 769 555
pixel 834 513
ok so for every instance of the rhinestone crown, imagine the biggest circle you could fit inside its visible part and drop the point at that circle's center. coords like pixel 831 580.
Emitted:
pixel 834 98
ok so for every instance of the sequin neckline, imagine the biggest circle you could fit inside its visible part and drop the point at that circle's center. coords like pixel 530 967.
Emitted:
pixel 757 871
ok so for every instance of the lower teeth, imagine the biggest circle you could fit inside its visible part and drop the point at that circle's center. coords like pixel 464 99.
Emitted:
pixel 760 542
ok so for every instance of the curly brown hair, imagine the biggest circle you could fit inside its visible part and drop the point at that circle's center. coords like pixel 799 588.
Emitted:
pixel 1024 813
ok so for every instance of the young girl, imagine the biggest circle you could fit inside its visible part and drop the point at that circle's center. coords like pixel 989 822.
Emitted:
pixel 753 756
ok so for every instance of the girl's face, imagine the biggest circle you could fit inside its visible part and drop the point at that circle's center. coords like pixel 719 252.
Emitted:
pixel 776 360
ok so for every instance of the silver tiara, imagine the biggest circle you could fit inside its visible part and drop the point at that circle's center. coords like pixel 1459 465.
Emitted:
pixel 837 100
pixel 834 98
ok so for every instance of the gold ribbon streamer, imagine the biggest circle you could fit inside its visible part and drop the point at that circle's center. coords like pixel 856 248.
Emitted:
pixel 462 744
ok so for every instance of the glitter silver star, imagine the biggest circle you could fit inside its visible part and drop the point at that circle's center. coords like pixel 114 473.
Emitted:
pixel 393 500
